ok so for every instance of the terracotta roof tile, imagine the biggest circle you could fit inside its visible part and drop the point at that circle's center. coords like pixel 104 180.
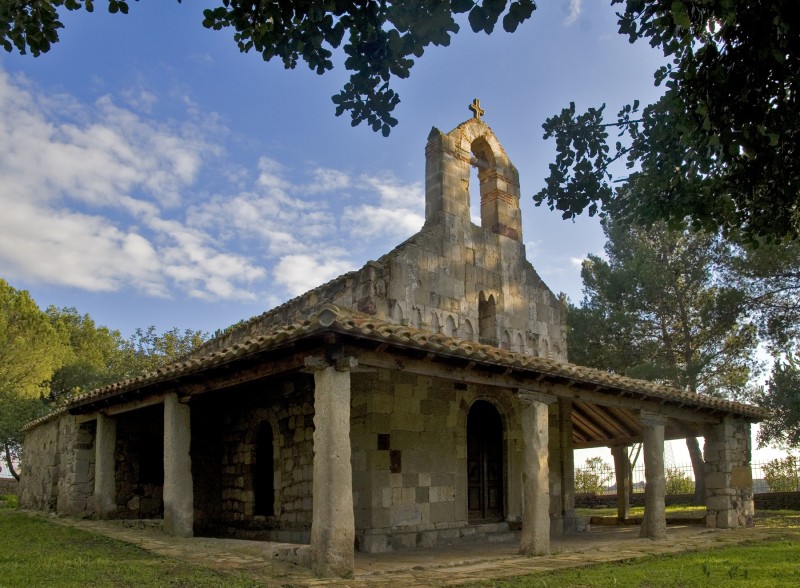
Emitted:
pixel 330 317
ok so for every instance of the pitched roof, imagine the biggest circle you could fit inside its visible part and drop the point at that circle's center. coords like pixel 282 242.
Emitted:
pixel 330 318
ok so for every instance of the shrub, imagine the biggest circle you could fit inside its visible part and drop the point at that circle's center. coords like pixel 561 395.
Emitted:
pixel 594 477
pixel 782 474
pixel 678 482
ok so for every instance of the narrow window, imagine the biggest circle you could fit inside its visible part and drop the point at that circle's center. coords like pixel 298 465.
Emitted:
pixel 487 325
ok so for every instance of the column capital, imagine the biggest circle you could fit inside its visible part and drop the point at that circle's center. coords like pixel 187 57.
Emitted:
pixel 652 419
pixel 314 363
pixel 533 396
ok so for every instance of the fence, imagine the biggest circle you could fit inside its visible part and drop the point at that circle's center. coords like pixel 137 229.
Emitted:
pixel 680 478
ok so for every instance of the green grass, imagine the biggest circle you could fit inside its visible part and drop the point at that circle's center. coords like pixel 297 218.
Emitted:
pixel 675 509
pixel 34 552
pixel 771 562
pixel 766 564
pixel 11 500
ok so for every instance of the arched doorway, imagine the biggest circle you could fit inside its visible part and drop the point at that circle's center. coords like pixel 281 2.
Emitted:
pixel 484 463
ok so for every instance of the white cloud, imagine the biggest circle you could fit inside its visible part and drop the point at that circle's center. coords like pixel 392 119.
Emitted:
pixel 577 261
pixel 83 198
pixel 398 214
pixel 575 8
pixel 300 273
pixel 102 198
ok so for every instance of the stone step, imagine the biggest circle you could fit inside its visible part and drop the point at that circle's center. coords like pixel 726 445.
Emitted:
pixel 503 537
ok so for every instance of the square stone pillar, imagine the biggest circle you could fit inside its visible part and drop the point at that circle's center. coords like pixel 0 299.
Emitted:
pixel 622 471
pixel 535 537
pixel 729 477
pixel 105 483
pixel 178 483
pixel 654 523
pixel 333 522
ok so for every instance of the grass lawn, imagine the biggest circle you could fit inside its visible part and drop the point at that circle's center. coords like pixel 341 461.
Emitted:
pixel 34 553
pixel 674 510
pixel 771 562
pixel 766 564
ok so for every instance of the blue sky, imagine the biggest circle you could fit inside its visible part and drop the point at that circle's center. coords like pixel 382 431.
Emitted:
pixel 152 174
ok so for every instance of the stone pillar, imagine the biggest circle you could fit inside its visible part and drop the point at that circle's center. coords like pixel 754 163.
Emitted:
pixel 535 537
pixel 622 470
pixel 105 483
pixel 729 478
pixel 654 523
pixel 333 523
pixel 562 469
pixel 178 483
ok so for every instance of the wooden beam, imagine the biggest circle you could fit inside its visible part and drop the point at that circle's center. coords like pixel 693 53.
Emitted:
pixel 144 402
pixel 616 398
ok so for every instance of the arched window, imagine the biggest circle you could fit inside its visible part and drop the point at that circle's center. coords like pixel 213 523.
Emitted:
pixel 467 332
pixel 435 325
pixel 519 343
pixel 505 342
pixel 449 326
pixel 487 325
pixel 264 483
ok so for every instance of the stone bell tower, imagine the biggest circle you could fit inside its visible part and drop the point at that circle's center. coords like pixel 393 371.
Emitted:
pixel 447 175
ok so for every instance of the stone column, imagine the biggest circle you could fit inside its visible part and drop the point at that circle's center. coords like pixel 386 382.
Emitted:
pixel 178 483
pixel 333 523
pixel 622 470
pixel 535 537
pixel 654 523
pixel 105 484
pixel 729 478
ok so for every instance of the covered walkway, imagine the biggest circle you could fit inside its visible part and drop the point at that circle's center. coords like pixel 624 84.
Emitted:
pixel 442 566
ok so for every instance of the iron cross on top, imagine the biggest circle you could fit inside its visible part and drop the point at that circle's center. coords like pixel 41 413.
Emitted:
pixel 476 108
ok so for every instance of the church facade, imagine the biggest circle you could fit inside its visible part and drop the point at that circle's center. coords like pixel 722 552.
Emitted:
pixel 424 399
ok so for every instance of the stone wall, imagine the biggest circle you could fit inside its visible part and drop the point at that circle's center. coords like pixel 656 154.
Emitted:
pixel 762 500
pixel 408 434
pixel 58 469
pixel 9 486
pixel 139 461
pixel 777 500
pixel 227 505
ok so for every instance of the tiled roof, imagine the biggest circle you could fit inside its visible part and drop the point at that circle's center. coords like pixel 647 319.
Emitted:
pixel 350 322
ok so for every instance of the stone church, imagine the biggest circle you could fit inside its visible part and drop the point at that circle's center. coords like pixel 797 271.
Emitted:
pixel 424 399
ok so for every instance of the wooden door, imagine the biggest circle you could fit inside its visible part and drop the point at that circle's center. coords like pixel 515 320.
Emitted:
pixel 484 463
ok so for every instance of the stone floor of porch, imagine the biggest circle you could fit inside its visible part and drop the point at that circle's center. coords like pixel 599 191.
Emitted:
pixel 437 566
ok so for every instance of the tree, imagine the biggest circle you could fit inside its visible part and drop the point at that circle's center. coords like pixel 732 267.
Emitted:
pixel 46 357
pixel 95 356
pixel 30 351
pixel 594 477
pixel 149 350
pixel 781 396
pixel 720 146
pixel 769 274
pixel 658 309
pixel 383 38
